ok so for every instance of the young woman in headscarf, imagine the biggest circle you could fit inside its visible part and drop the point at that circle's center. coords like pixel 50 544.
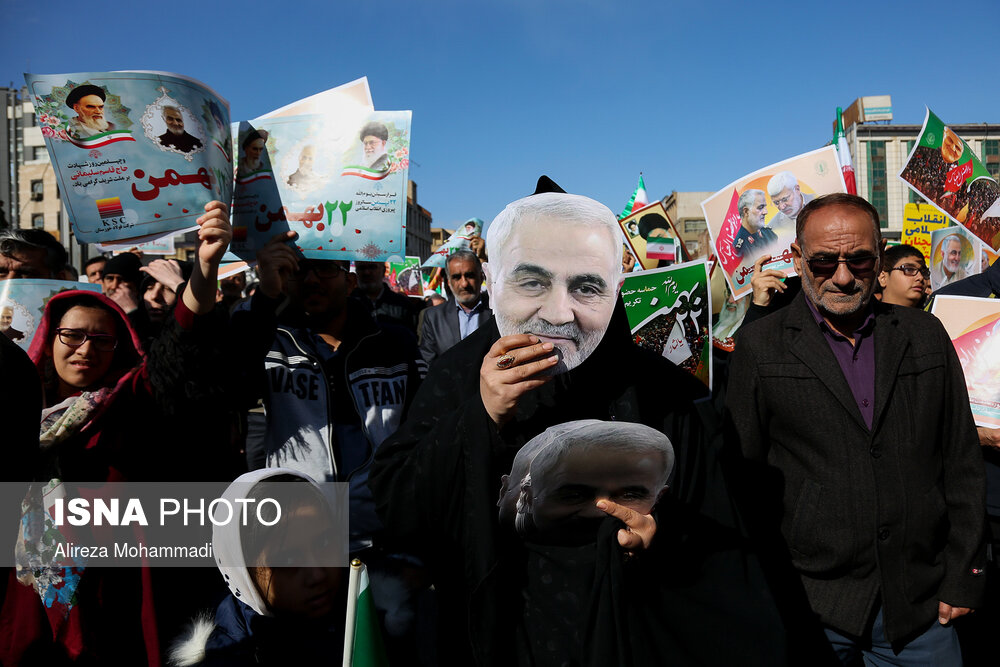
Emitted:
pixel 103 399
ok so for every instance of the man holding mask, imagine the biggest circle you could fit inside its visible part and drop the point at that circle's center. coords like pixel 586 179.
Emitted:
pixel 559 349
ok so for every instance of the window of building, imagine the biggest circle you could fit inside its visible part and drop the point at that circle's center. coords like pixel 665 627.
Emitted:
pixel 37 190
pixel 878 193
pixel 694 226
pixel 38 221
pixel 38 153
pixel 991 156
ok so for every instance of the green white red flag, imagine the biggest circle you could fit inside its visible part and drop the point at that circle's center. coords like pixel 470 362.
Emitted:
pixel 363 645
pixel 637 201
pixel 844 154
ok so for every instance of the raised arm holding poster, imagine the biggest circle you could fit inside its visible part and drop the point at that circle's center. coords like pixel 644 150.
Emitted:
pixel 974 327
pixel 756 214
pixel 135 153
pixel 459 240
pixel 670 312
pixel 946 172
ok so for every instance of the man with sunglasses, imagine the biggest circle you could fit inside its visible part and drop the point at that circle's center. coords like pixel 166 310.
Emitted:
pixel 855 426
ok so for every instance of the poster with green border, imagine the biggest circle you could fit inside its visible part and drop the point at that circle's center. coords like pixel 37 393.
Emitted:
pixel 670 312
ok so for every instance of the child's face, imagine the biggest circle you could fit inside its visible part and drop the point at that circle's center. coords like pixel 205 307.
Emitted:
pixel 308 592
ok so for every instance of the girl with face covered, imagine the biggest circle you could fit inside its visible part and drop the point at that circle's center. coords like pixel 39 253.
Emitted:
pixel 104 400
pixel 285 606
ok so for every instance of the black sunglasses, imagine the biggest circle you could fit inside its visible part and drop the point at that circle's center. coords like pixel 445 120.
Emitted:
pixel 824 266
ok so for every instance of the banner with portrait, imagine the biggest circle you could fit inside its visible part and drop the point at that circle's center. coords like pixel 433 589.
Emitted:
pixel 756 214
pixel 135 153
pixel 342 188
pixel 670 312
pixel 973 324
pixel 919 220
pixel 954 255
pixel 652 237
pixel 946 172
pixel 22 303
pixel 460 239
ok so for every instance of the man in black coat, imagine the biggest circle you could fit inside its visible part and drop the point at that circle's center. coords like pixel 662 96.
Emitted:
pixel 559 349
pixel 855 415
pixel 466 310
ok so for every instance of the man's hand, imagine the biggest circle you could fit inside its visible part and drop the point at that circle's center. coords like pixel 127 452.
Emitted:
pixel 501 388
pixel 947 613
pixel 640 527
pixel 765 283
pixel 989 437
pixel 276 261
pixel 167 272
pixel 477 244
pixel 214 234
pixel 125 296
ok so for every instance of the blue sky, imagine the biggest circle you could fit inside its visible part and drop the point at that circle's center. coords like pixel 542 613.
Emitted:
pixel 693 94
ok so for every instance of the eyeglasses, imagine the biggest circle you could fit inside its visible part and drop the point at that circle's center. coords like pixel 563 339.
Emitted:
pixel 909 270
pixel 825 266
pixel 320 268
pixel 781 202
pixel 76 338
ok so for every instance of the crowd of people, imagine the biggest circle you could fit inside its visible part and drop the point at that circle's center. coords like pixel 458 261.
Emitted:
pixel 527 485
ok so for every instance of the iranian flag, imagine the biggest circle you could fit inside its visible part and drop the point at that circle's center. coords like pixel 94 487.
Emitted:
pixel 362 637
pixel 637 201
pixel 844 154
pixel 102 139
pixel 660 248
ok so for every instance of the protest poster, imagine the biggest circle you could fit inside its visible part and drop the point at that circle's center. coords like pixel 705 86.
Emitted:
pixel 954 255
pixel 342 189
pixel 755 215
pixel 405 277
pixel 670 312
pixel 459 240
pixel 973 324
pixel 135 153
pixel 652 237
pixel 22 303
pixel 163 245
pixel 946 172
pixel 919 220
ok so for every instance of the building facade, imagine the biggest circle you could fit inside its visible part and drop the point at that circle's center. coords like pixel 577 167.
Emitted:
pixel 418 225
pixel 684 208
pixel 29 188
pixel 438 236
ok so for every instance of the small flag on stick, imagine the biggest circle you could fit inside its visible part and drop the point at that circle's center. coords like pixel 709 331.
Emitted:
pixel 844 154
pixel 637 201
pixel 362 638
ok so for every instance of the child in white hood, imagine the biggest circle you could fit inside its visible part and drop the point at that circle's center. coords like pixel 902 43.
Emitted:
pixel 274 615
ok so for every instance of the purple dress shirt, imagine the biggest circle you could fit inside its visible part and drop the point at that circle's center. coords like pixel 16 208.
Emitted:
pixel 857 361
